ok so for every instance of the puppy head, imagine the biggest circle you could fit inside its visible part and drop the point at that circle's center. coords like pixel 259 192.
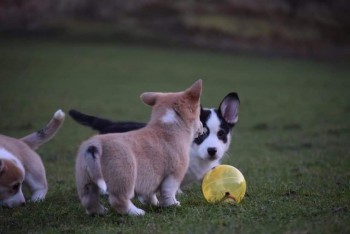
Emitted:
pixel 173 107
pixel 218 124
pixel 11 179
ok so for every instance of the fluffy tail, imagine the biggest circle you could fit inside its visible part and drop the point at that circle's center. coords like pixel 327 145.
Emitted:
pixel 36 139
pixel 104 125
pixel 92 158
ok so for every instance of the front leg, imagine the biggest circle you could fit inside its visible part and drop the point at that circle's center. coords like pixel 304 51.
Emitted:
pixel 168 191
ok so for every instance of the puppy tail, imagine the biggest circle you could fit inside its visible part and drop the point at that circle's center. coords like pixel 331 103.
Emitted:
pixel 36 139
pixel 104 125
pixel 92 157
pixel 93 122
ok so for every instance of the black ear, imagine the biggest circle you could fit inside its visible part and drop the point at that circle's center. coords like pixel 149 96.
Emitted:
pixel 229 108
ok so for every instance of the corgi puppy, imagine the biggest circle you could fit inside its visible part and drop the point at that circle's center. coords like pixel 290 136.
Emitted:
pixel 207 150
pixel 152 159
pixel 20 164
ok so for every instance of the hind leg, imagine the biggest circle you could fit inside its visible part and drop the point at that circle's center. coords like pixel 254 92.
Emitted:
pixel 168 191
pixel 123 205
pixel 121 191
pixel 90 200
pixel 88 192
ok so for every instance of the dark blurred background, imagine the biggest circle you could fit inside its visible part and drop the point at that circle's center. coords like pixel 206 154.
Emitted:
pixel 289 27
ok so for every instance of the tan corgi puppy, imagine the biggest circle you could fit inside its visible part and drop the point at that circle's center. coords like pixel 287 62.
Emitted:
pixel 20 164
pixel 142 162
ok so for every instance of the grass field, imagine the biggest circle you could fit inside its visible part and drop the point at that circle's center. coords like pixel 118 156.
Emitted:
pixel 291 142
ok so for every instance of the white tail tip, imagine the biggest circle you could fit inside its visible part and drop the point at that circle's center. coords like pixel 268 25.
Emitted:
pixel 59 114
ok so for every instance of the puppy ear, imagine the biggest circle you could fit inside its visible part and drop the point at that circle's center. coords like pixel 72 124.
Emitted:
pixel 195 90
pixel 2 167
pixel 149 98
pixel 229 108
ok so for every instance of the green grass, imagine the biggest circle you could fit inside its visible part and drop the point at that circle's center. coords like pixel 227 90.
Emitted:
pixel 291 142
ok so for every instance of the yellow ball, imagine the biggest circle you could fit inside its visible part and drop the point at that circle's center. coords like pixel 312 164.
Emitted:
pixel 224 183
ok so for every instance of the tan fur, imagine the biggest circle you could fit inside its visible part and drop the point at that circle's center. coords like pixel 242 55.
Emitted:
pixel 24 160
pixel 145 161
pixel 10 176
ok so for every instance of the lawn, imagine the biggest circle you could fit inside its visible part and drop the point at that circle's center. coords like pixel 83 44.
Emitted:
pixel 291 141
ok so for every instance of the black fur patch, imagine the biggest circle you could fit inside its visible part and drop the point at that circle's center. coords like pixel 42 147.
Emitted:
pixel 41 133
pixel 225 127
pixel 92 150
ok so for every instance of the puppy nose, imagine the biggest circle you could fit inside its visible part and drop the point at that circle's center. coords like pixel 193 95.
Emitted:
pixel 212 151
pixel 23 204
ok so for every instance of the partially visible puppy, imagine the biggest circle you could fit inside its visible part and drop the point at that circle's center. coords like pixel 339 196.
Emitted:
pixel 207 150
pixel 142 162
pixel 19 164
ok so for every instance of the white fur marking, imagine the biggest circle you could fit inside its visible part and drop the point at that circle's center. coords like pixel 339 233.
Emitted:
pixel 4 154
pixel 59 114
pixel 102 186
pixel 134 211
pixel 14 200
pixel 169 117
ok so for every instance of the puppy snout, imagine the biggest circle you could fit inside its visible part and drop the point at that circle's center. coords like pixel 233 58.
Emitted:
pixel 23 204
pixel 212 152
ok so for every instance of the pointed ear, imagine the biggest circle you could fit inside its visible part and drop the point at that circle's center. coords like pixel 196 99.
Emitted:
pixel 149 98
pixel 195 91
pixel 229 108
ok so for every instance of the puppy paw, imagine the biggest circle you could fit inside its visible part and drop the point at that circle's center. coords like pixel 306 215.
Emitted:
pixel 170 202
pixel 38 196
pixel 134 211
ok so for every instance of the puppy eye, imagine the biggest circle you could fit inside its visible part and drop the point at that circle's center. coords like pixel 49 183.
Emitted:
pixel 221 133
pixel 16 187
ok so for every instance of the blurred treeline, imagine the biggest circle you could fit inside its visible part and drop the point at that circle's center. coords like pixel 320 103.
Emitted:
pixel 300 27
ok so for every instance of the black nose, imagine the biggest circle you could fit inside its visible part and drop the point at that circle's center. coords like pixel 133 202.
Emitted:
pixel 212 151
pixel 23 204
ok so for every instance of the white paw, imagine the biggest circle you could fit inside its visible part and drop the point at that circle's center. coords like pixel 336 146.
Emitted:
pixel 136 212
pixel 38 196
